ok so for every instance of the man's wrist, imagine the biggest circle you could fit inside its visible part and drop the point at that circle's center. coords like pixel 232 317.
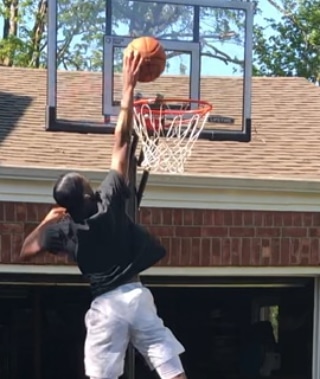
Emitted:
pixel 127 93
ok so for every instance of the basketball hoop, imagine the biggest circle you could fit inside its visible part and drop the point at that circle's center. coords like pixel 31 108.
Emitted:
pixel 167 130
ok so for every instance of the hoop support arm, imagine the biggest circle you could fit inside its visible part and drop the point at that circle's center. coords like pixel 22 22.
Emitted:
pixel 142 186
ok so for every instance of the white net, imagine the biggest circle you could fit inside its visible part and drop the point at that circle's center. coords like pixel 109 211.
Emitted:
pixel 167 132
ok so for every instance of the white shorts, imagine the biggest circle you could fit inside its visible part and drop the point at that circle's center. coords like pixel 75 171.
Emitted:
pixel 126 314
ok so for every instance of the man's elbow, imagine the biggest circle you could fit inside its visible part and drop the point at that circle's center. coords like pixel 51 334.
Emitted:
pixel 120 167
pixel 24 256
pixel 119 161
pixel 27 252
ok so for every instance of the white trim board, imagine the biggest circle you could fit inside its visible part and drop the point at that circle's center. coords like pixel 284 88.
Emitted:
pixel 172 271
pixel 172 191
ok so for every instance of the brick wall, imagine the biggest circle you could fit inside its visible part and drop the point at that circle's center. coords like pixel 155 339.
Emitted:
pixel 196 237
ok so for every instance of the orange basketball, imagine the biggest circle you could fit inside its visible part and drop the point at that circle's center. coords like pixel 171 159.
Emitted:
pixel 154 57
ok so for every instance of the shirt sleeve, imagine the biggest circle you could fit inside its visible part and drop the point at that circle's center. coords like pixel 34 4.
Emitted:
pixel 114 190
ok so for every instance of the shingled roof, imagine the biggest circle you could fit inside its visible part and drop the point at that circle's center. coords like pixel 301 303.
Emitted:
pixel 286 125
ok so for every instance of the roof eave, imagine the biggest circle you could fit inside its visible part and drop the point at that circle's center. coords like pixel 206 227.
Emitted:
pixel 222 182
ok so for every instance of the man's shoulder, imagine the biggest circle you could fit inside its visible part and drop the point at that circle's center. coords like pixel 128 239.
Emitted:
pixel 113 177
pixel 114 182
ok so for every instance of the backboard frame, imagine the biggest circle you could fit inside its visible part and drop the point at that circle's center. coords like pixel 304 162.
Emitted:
pixel 55 124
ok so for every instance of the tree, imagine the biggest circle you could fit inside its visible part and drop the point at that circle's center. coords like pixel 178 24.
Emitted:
pixel 293 49
pixel 24 37
pixel 22 45
pixel 81 26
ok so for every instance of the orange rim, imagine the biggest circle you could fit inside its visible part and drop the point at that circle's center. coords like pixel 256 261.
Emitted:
pixel 203 106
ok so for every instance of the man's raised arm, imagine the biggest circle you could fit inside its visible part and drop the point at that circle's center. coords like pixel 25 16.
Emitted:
pixel 131 66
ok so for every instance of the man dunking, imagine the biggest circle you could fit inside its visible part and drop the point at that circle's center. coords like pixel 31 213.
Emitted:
pixel 111 251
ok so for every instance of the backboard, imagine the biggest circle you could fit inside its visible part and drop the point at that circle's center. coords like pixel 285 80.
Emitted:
pixel 209 57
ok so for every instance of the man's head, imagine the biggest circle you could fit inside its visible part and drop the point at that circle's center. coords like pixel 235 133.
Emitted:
pixel 73 192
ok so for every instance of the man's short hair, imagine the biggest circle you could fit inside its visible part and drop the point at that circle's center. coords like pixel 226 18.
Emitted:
pixel 68 192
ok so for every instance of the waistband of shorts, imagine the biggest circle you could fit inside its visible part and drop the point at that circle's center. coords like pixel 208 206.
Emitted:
pixel 128 285
pixel 134 279
pixel 135 282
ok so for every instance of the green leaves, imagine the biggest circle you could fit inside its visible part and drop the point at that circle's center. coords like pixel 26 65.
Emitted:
pixel 23 35
pixel 293 49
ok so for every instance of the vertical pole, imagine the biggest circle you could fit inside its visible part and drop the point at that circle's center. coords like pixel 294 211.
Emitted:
pixel 52 53
pixel 132 212
pixel 51 108
pixel 14 333
pixel 316 331
pixel 247 80
pixel 37 333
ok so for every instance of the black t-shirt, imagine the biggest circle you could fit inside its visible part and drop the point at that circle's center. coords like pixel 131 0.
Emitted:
pixel 106 243
pixel 109 247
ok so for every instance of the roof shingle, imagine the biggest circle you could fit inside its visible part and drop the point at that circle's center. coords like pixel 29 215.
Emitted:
pixel 285 113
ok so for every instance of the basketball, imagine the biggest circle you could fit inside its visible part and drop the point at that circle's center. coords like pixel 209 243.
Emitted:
pixel 154 57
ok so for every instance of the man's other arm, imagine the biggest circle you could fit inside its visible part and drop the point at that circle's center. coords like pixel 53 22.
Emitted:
pixel 32 244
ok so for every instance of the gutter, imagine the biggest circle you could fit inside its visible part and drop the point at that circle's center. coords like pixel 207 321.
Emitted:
pixel 264 183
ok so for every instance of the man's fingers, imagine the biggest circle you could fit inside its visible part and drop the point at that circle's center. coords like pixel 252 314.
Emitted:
pixel 55 213
pixel 58 211
pixel 127 56
pixel 125 61
pixel 131 66
pixel 130 55
pixel 138 62
pixel 128 60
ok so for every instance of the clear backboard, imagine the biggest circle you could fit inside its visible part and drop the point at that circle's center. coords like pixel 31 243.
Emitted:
pixel 209 57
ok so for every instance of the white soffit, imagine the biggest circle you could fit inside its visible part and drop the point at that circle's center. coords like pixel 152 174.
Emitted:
pixel 173 191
